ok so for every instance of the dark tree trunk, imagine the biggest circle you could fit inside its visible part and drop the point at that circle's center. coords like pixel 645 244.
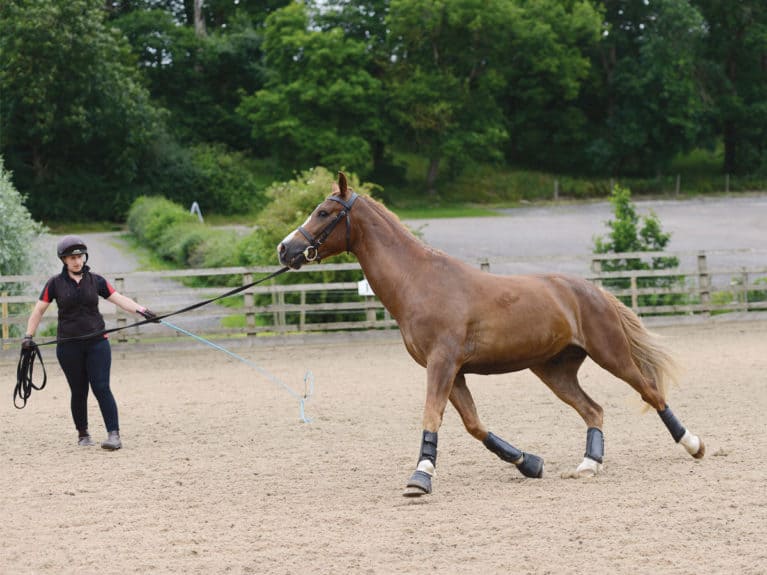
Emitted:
pixel 431 176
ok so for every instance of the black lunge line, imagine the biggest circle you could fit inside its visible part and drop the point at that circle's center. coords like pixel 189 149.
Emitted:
pixel 25 368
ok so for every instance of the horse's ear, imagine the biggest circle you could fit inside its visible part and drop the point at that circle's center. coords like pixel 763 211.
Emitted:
pixel 343 190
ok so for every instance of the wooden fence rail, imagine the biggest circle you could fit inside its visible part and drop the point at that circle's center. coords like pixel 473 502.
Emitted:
pixel 692 288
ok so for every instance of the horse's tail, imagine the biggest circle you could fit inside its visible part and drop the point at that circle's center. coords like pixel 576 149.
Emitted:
pixel 655 363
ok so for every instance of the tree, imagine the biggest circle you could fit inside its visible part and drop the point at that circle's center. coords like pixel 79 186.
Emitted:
pixel 645 103
pixel 198 79
pixel 446 78
pixel 319 104
pixel 546 69
pixel 735 66
pixel 364 21
pixel 77 122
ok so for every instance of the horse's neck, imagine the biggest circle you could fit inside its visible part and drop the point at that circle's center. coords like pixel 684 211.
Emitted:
pixel 388 254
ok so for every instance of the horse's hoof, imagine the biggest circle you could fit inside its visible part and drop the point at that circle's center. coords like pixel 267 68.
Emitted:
pixel 588 468
pixel 531 466
pixel 413 491
pixel 419 484
pixel 701 451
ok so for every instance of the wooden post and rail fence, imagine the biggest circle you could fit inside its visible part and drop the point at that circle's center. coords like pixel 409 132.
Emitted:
pixel 693 288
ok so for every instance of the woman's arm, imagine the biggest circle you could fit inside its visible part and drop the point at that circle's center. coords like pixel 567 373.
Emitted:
pixel 125 302
pixel 36 316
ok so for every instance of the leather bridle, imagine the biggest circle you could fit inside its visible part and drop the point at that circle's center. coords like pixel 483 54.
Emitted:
pixel 312 251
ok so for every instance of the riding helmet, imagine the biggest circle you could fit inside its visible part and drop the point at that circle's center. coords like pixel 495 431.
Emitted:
pixel 71 246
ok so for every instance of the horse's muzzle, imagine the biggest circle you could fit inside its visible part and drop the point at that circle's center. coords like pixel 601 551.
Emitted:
pixel 290 256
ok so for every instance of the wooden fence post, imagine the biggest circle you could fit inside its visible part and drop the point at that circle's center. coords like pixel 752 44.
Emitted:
pixel 283 316
pixel 744 283
pixel 302 316
pixel 6 330
pixel 122 320
pixel 634 296
pixel 596 267
pixel 248 301
pixel 704 284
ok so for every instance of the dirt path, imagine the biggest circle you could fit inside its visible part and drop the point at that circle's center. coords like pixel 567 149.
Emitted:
pixel 218 475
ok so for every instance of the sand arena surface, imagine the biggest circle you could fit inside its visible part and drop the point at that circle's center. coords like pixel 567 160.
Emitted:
pixel 219 475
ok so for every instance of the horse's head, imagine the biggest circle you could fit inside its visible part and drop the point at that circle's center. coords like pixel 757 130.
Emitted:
pixel 321 236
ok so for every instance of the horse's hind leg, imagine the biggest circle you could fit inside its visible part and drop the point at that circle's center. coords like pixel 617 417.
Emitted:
pixel 560 374
pixel 528 464
pixel 622 366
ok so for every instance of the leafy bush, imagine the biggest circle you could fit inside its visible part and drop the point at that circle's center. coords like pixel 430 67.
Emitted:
pixel 18 235
pixel 150 217
pixel 18 232
pixel 626 236
pixel 229 181
pixel 178 237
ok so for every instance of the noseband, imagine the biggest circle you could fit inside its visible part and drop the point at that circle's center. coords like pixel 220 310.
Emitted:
pixel 312 253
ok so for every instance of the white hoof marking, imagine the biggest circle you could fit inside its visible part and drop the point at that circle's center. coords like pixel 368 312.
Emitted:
pixel 426 466
pixel 690 442
pixel 588 468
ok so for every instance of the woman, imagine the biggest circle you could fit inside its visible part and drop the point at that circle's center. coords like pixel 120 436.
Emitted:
pixel 83 351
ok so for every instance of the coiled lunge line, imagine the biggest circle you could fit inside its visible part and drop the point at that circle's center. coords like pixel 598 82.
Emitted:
pixel 26 365
pixel 25 374
pixel 308 376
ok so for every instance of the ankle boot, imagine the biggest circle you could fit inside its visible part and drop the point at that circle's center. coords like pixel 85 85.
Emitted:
pixel 84 439
pixel 113 441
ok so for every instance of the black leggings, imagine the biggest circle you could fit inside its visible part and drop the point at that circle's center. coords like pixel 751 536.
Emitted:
pixel 87 362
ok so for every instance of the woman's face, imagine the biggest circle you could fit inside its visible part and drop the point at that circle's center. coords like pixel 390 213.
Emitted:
pixel 74 263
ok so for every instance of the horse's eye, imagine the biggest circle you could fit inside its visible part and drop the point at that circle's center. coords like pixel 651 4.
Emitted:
pixel 322 214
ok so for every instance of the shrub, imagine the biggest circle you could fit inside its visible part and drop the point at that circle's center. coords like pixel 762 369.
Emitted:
pixel 19 231
pixel 18 235
pixel 626 236
pixel 150 217
pixel 229 180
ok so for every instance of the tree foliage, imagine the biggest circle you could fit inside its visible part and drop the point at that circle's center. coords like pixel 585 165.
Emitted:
pixel 645 101
pixel 73 101
pixel 319 103
pixel 734 64
pixel 104 101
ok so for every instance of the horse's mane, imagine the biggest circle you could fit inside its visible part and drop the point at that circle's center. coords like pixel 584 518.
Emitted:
pixel 395 222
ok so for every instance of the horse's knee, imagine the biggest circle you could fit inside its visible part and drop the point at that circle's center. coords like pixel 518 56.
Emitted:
pixel 476 430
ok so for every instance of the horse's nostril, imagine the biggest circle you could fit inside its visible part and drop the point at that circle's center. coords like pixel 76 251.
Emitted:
pixel 281 248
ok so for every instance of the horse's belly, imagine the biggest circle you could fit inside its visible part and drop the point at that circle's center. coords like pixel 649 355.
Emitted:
pixel 503 354
pixel 490 367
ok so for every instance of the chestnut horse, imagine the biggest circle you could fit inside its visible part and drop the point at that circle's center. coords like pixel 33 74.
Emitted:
pixel 456 319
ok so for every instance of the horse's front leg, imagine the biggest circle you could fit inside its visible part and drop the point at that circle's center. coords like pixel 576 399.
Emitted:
pixel 440 374
pixel 528 464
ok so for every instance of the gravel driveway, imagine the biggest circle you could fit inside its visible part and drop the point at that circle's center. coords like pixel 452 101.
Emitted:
pixel 560 238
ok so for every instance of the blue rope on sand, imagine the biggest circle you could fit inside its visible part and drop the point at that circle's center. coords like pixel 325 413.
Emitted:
pixel 308 377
